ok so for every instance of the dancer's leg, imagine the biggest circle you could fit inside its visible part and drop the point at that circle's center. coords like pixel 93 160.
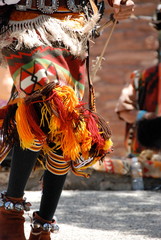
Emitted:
pixel 52 188
pixel 11 217
pixel 22 164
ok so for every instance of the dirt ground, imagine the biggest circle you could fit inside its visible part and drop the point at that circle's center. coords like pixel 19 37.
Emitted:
pixel 105 215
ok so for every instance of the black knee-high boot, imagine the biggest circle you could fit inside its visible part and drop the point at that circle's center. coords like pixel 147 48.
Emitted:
pixel 43 224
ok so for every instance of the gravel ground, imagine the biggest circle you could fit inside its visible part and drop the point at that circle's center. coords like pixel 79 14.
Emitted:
pixel 104 215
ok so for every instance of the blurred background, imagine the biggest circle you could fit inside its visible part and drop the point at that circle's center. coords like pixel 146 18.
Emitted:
pixel 133 46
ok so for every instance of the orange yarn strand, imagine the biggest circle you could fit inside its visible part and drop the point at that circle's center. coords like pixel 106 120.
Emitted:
pixel 23 128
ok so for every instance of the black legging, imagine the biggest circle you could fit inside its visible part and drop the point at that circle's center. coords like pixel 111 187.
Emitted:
pixel 22 164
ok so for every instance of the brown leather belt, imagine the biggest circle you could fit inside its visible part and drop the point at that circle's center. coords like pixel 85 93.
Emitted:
pixel 48 6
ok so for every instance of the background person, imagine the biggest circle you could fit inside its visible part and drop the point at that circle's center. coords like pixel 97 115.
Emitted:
pixel 139 99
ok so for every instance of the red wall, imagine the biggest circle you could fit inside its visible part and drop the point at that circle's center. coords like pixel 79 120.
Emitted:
pixel 133 45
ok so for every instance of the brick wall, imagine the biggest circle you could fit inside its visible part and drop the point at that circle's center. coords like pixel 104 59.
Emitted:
pixel 133 45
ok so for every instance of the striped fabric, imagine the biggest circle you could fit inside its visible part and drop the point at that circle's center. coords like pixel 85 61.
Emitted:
pixel 55 162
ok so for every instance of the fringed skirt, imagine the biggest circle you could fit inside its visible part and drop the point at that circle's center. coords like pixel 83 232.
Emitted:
pixel 46 112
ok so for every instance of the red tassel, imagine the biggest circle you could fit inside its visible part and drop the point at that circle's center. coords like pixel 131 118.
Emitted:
pixel 93 129
pixel 33 122
pixel 58 104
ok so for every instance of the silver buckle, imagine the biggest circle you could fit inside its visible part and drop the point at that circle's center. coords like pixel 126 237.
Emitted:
pixel 24 7
pixel 72 6
pixel 47 9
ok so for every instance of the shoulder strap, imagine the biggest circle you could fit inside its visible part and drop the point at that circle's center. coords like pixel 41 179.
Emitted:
pixel 91 100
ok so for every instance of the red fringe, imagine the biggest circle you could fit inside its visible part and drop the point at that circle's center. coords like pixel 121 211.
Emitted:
pixel 93 129
pixel 33 122
pixel 59 106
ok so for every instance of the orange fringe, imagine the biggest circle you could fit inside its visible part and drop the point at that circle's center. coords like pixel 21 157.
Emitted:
pixel 72 128
pixel 23 127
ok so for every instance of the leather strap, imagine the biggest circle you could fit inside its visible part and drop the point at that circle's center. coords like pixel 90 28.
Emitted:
pixel 92 104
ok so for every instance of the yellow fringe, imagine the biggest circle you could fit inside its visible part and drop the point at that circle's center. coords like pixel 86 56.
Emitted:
pixel 54 124
pixel 70 146
pixel 68 97
pixel 84 138
pixel 63 133
pixel 44 113
pixel 23 128
pixel 71 136
pixel 108 145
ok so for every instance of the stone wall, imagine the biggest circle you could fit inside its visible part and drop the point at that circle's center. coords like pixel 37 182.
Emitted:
pixel 132 46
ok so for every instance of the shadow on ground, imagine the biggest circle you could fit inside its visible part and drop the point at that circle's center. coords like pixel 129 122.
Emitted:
pixel 127 215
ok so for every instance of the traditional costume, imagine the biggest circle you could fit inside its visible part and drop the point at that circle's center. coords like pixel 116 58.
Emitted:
pixel 46 53
pixel 45 45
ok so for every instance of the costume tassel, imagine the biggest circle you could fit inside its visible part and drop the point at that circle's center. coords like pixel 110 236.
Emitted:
pixel 68 98
pixel 58 106
pixel 69 145
pixel 108 145
pixel 103 126
pixel 84 138
pixel 93 129
pixel 23 127
pixel 32 119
